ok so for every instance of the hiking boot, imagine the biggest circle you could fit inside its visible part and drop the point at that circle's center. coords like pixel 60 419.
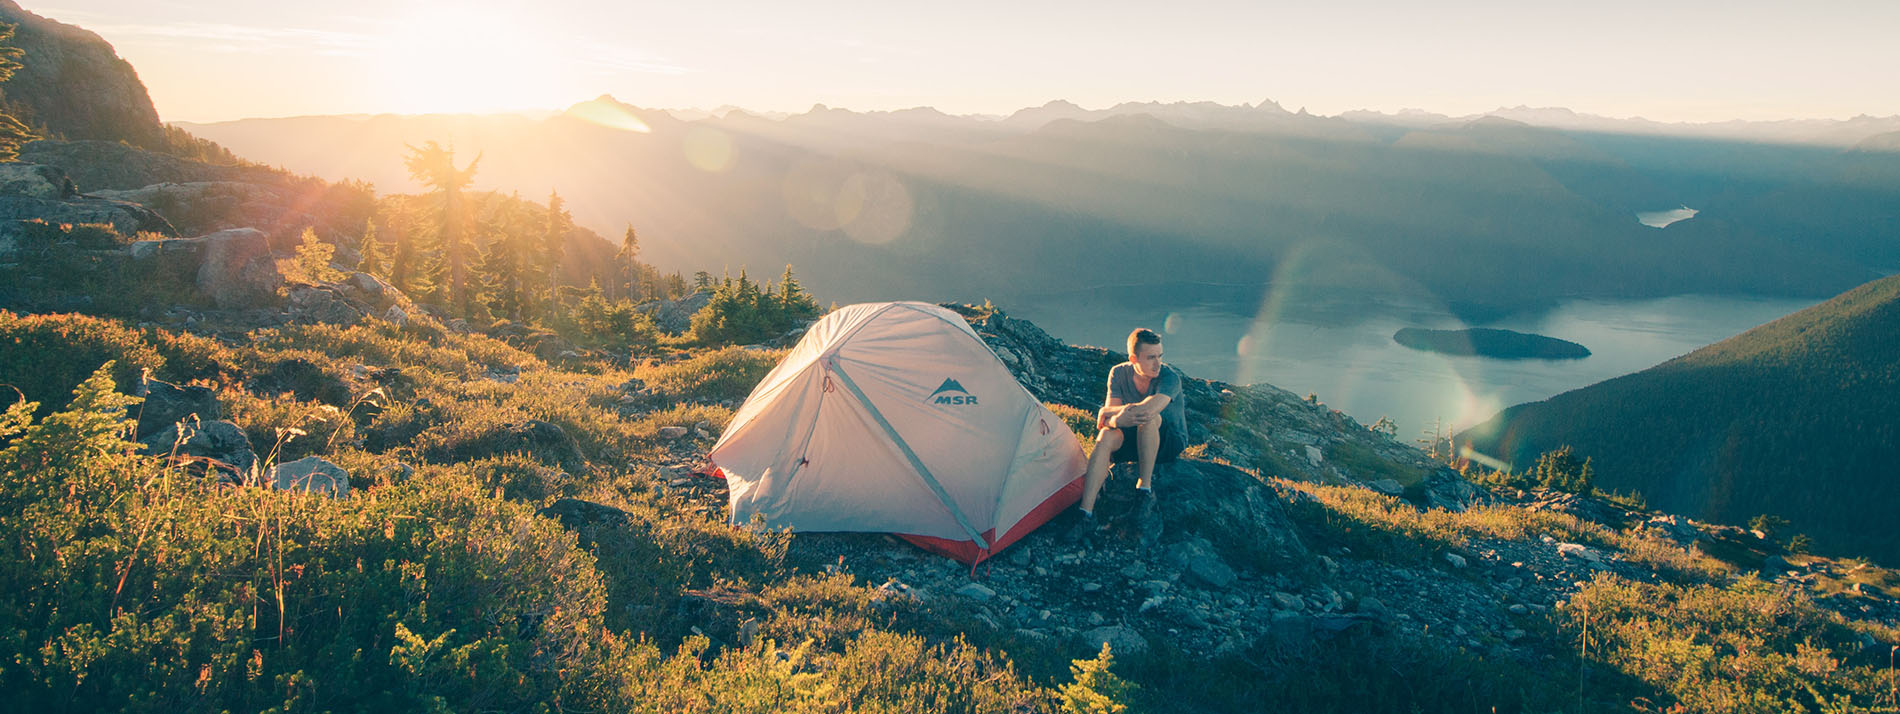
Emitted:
pixel 1146 520
pixel 1082 531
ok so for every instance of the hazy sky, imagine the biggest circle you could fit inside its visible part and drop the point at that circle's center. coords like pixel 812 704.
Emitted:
pixel 1699 60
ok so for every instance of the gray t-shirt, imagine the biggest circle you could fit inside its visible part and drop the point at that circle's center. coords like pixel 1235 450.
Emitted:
pixel 1121 385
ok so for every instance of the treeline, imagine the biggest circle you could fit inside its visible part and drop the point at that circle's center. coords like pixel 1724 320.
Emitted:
pixel 486 257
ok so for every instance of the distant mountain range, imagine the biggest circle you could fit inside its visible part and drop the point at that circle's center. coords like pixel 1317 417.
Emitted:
pixel 1795 418
pixel 1484 216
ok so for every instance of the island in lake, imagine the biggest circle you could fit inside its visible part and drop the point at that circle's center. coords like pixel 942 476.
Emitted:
pixel 1489 342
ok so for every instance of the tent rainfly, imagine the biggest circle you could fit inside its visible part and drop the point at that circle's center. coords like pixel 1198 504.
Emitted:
pixel 897 418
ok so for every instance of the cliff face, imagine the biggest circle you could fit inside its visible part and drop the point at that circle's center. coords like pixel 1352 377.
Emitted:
pixel 74 84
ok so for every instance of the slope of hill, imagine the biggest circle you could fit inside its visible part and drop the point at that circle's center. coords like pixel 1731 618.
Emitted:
pixel 75 85
pixel 1795 418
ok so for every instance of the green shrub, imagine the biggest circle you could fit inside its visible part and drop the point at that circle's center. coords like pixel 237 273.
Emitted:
pixel 720 375
pixel 45 355
pixel 1747 646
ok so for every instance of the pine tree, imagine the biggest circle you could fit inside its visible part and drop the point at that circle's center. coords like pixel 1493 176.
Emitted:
pixel 628 261
pixel 12 132
pixel 434 166
pixel 372 250
pixel 313 258
pixel 554 232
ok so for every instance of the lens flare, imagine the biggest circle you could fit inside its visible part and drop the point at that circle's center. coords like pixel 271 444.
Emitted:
pixel 708 149
pixel 611 115
pixel 874 207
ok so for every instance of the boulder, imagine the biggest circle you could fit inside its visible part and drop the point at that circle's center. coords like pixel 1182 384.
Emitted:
pixel 1121 640
pixel 312 474
pixel 575 513
pixel 314 303
pixel 238 269
pixel 220 440
pixel 1314 457
pixel 1387 486
pixel 396 316
pixel 166 404
pixel 1196 558
pixel 1234 508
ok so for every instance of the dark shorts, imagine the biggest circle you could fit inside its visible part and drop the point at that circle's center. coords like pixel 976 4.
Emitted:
pixel 1171 445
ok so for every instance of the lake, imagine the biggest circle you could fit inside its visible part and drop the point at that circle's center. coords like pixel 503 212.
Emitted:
pixel 1346 356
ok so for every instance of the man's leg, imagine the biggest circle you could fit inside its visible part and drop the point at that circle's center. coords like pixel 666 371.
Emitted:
pixel 1106 443
pixel 1147 446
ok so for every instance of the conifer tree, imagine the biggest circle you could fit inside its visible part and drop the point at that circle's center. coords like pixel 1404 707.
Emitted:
pixel 313 258
pixel 554 232
pixel 434 166
pixel 372 250
pixel 628 261
pixel 12 132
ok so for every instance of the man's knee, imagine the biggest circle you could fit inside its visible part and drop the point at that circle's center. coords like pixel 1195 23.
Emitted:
pixel 1110 438
pixel 1152 427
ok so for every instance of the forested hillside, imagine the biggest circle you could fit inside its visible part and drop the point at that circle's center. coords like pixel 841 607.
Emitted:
pixel 1794 419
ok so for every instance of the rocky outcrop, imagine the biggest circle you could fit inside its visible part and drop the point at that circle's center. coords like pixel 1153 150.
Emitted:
pixel 44 194
pixel 675 316
pixel 74 84
pixel 235 268
pixel 110 165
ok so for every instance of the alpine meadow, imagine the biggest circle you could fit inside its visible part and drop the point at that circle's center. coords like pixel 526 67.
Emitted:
pixel 357 361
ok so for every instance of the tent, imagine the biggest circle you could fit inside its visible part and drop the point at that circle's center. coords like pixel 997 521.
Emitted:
pixel 897 418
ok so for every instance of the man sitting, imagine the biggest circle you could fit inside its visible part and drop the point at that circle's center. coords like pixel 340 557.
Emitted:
pixel 1143 421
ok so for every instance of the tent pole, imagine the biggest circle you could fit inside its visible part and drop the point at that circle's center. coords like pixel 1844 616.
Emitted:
pixel 915 463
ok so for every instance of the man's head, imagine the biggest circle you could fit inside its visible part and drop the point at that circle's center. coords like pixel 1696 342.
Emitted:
pixel 1144 350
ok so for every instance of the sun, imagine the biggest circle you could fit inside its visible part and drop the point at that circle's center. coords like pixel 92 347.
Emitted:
pixel 465 59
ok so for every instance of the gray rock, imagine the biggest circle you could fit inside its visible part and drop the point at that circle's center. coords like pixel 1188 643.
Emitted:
pixel 976 591
pixel 33 181
pixel 1373 606
pixel 312 474
pixel 1446 489
pixel 238 269
pixel 396 316
pixel 1121 639
pixel 1387 486
pixel 165 404
pixel 321 304
pixel 672 432
pixel 1289 601
pixel 1513 635
pixel 1196 557
pixel 1518 609
pixel 1314 456
pixel 219 440
pixel 1456 560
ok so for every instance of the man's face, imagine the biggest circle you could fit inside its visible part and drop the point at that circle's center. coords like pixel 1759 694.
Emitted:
pixel 1147 359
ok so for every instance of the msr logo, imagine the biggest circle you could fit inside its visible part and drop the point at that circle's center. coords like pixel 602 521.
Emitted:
pixel 951 393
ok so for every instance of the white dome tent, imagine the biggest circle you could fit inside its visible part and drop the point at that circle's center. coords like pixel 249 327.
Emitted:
pixel 897 418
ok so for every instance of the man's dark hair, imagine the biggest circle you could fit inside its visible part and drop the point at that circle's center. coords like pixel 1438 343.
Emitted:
pixel 1142 336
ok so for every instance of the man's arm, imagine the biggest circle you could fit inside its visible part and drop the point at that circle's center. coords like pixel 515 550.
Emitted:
pixel 1106 416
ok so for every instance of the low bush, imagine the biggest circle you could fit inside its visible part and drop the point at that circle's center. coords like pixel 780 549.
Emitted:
pixel 720 375
pixel 43 356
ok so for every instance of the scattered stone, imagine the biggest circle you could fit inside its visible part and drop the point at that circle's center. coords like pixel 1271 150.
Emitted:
pixel 1121 640
pixel 1289 601
pixel 165 404
pixel 1574 550
pixel 220 441
pixel 1519 609
pixel 1373 606
pixel 1456 560
pixel 1314 456
pixel 312 474
pixel 976 591
pixel 1090 587
pixel 1513 635
pixel 1387 486
pixel 1197 558
pixel 672 432
pixel 396 316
